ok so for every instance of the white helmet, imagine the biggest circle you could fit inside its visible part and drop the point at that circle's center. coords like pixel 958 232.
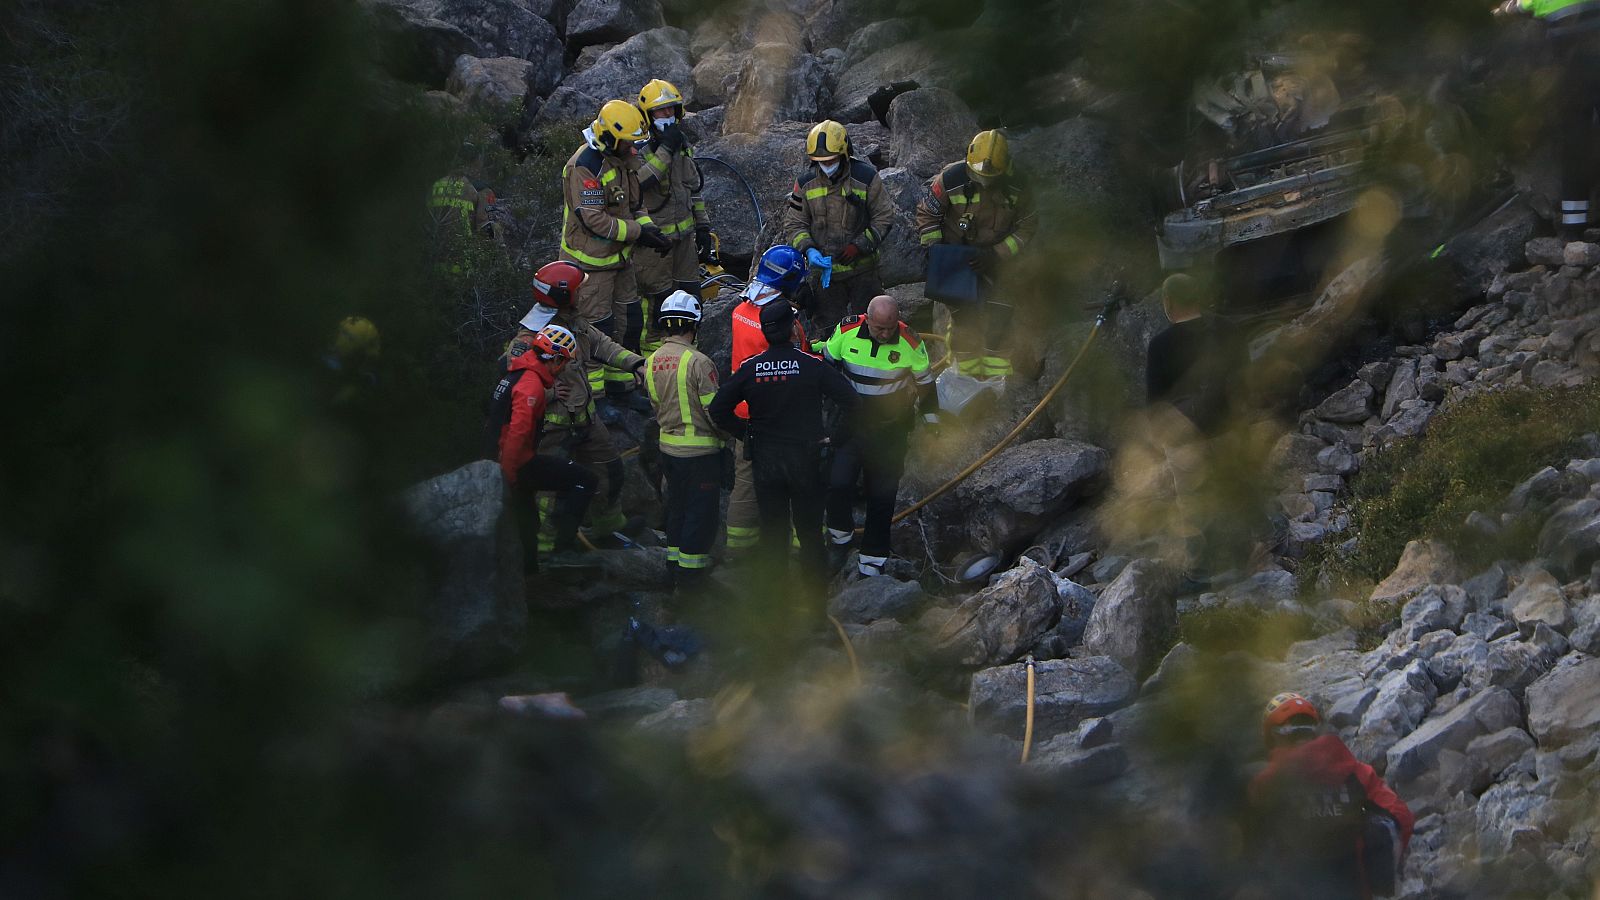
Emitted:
pixel 680 305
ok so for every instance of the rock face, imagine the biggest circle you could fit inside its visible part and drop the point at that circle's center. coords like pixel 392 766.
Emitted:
pixel 439 31
pixel 931 127
pixel 605 21
pixel 771 161
pixel 776 83
pixel 1028 485
pixel 1080 159
pixel 1486 713
pixel 620 72
pixel 478 614
pixel 1000 622
pixel 876 598
pixel 916 61
pixel 490 83
pixel 1066 692
pixel 1133 616
pixel 1564 705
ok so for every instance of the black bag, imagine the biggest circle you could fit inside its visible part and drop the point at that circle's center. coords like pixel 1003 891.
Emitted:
pixel 951 278
pixel 499 413
pixel 1380 853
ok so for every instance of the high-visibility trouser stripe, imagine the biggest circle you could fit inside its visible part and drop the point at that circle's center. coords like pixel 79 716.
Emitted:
pixel 1012 244
pixel 838 537
pixel 546 504
pixel 677 227
pixel 1574 212
pixel 871 565
pixel 969 366
pixel 996 365
pixel 694 560
pixel 740 536
pixel 697 205
pixel 931 237
pixel 673 553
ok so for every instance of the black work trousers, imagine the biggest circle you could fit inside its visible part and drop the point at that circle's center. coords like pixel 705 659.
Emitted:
pixel 875 457
pixel 694 494
pixel 1578 101
pixel 574 486
pixel 789 491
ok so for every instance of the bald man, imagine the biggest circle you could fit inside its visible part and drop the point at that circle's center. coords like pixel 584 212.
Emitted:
pixel 887 365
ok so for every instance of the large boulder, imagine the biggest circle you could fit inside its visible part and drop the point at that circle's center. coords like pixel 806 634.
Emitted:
pixel 1066 692
pixel 931 128
pixel 880 35
pixel 606 21
pixel 619 73
pixel 490 83
pixel 1486 713
pixel 1404 697
pixel 1421 563
pixel 1000 622
pixel 1027 486
pixel 776 83
pixel 834 23
pixel 1134 616
pixel 1570 538
pixel 901 261
pixel 714 77
pixel 440 31
pixel 917 62
pixel 1564 705
pixel 881 597
pixel 770 161
pixel 477 614
pixel 1539 600
pixel 1081 163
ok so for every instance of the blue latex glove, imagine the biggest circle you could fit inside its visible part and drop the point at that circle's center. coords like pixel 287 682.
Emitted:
pixel 825 263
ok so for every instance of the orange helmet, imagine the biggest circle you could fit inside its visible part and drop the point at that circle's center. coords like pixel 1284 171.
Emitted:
pixel 556 284
pixel 1279 718
pixel 555 345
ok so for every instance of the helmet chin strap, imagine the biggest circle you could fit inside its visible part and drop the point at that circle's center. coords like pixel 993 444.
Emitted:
pixel 590 139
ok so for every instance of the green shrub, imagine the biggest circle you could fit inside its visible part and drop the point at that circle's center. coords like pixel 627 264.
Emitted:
pixel 1266 633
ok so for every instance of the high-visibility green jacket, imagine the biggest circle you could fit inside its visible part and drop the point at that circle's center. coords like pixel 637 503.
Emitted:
pixel 890 378
pixel 1555 10
pixel 682 383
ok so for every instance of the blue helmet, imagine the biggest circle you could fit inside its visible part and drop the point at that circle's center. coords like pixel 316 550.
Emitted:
pixel 781 268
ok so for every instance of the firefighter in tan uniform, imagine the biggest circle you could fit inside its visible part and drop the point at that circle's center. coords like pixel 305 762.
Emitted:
pixel 570 423
pixel 682 381
pixel 978 203
pixel 602 218
pixel 838 216
pixel 669 182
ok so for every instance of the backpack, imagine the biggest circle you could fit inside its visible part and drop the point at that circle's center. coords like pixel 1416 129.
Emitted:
pixel 499 412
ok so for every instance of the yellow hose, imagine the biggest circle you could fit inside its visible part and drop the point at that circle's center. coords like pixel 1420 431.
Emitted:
pixel 850 651
pixel 1006 441
pixel 1027 728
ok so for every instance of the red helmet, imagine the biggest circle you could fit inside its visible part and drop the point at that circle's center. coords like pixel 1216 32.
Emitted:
pixel 556 284
pixel 1281 713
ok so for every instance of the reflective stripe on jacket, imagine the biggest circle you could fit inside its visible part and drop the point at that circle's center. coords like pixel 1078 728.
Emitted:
pixel 889 377
pixel 998 215
pixel 454 196
pixel 593 344
pixel 682 383
pixel 828 213
pixel 669 184
pixel 601 214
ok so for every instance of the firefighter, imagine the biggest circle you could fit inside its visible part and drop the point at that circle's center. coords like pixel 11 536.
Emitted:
pixel 783 436
pixel 1324 823
pixel 681 382
pixel 669 182
pixel 572 424
pixel 602 218
pixel 887 365
pixel 1573 27
pixel 520 402
pixel 779 275
pixel 978 203
pixel 838 216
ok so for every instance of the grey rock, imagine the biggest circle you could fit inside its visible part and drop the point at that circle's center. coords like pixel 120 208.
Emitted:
pixel 1541 487
pixel 901 260
pixel 931 127
pixel 1483 524
pixel 1079 767
pixel 1268 589
pixel 1538 600
pixel 1083 159
pixel 1403 699
pixel 1402 387
pixel 605 21
pixel 1133 615
pixel 1296 452
pixel 1377 373
pixel 1581 254
pixel 1177 665
pixel 1564 705
pixel 1491 711
pixel 1551 644
pixel 714 76
pixel 1410 420
pixel 490 83
pixel 1352 403
pixel 1421 563
pixel 879 35
pixel 770 160
pixel 777 83
pixel 834 24
pixel 629 703
pixel 1322 482
pixel 1486 589
pixel 1510 815
pixel 1487 626
pixel 1585 634
pixel 443 30
pixel 1456 346
pixel 1546 251
pixel 1066 692
pixel 1077 604
pixel 1108 567
pixel 876 598
pixel 1434 607
pixel 1498 751
pixel 658 53
pixel 915 61
pixel 1346 712
pixel 1570 538
pixel 477 614
pixel 1511 664
pixel 677 720
pixel 1029 485
pixel 997 624
pixel 1337 460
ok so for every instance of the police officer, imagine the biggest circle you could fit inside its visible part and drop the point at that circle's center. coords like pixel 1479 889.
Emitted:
pixel 669 182
pixel 681 382
pixel 838 216
pixel 978 203
pixel 1573 27
pixel 602 218
pixel 784 387
pixel 887 365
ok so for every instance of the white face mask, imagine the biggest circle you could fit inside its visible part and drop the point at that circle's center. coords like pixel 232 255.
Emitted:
pixel 829 168
pixel 665 123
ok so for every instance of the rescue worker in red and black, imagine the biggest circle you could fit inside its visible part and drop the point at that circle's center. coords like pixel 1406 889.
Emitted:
pixel 887 365
pixel 978 203
pixel 1324 825
pixel 517 410
pixel 669 183
pixel 784 388
pixel 1573 29
pixel 838 217
pixel 602 218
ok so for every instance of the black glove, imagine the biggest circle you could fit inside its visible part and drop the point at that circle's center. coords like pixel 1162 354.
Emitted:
pixel 804 298
pixel 673 139
pixel 984 262
pixel 653 238
pixel 704 245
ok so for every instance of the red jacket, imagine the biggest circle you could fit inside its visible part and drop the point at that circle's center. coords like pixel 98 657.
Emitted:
pixel 1326 762
pixel 748 340
pixel 519 439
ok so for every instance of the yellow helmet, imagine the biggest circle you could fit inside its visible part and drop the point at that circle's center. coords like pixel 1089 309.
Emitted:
pixel 988 156
pixel 356 338
pixel 659 94
pixel 827 139
pixel 619 121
